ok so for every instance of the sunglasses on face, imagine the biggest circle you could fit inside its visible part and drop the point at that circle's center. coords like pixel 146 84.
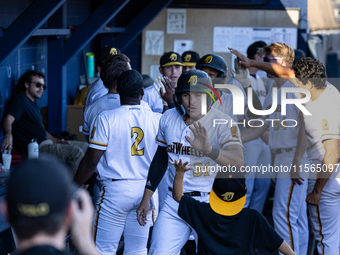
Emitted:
pixel 266 59
pixel 38 84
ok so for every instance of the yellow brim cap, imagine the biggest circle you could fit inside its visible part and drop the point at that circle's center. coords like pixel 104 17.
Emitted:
pixel 173 64
pixel 189 63
pixel 226 208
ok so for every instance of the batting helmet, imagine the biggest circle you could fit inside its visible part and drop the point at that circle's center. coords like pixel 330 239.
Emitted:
pixel 192 80
pixel 215 62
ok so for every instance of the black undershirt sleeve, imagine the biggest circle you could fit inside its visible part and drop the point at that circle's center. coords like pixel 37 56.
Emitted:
pixel 157 168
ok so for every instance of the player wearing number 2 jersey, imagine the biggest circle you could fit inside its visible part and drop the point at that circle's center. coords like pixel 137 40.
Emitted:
pixel 220 145
pixel 122 145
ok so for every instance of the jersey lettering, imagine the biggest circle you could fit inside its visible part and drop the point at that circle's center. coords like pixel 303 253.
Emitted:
pixel 180 149
pixel 139 138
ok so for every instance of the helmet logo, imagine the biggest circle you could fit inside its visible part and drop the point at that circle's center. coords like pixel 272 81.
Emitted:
pixel 228 196
pixel 193 80
pixel 208 59
pixel 173 57
pixel 187 58
pixel 113 51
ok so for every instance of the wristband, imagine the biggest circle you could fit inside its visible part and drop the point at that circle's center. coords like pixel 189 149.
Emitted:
pixel 172 105
pixel 214 153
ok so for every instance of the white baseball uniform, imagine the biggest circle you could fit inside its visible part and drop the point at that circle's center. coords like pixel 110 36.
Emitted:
pixel 170 232
pixel 96 90
pixel 323 124
pixel 255 154
pixel 290 208
pixel 127 135
pixel 107 102
pixel 153 99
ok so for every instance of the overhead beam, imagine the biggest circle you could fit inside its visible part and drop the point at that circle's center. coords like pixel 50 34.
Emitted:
pixel 26 24
pixel 137 25
pixel 91 27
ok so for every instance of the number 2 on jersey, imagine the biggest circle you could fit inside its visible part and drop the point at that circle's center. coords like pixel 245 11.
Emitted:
pixel 139 138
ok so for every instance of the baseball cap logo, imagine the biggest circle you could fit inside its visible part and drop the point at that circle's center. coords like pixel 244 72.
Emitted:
pixel 193 80
pixel 234 132
pixel 29 210
pixel 325 124
pixel 113 51
pixel 187 58
pixel 208 59
pixel 173 57
pixel 228 196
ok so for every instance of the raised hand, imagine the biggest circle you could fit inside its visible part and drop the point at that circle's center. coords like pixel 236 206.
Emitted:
pixel 201 141
pixel 168 90
pixel 241 73
pixel 243 60
pixel 180 166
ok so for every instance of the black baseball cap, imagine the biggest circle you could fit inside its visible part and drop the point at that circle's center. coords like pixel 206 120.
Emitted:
pixel 228 194
pixel 171 58
pixel 130 83
pixel 253 48
pixel 39 188
pixel 189 58
pixel 106 52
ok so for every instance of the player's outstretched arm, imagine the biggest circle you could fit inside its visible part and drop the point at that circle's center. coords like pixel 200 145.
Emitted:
pixel 181 168
pixel 87 165
pixel 272 68
pixel 156 172
pixel 285 249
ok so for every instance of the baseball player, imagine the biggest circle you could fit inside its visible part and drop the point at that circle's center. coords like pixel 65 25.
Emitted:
pixel 171 69
pixel 322 131
pixel 122 146
pixel 97 89
pixel 189 59
pixel 111 70
pixel 289 209
pixel 223 147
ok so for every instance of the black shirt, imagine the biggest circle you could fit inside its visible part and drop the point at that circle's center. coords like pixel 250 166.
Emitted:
pixel 43 250
pixel 28 123
pixel 238 235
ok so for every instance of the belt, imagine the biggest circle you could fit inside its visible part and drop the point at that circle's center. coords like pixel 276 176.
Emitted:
pixel 279 151
pixel 192 193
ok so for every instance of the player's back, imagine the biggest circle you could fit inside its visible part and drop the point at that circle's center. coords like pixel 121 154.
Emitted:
pixel 106 102
pixel 153 99
pixel 130 132
pixel 96 90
